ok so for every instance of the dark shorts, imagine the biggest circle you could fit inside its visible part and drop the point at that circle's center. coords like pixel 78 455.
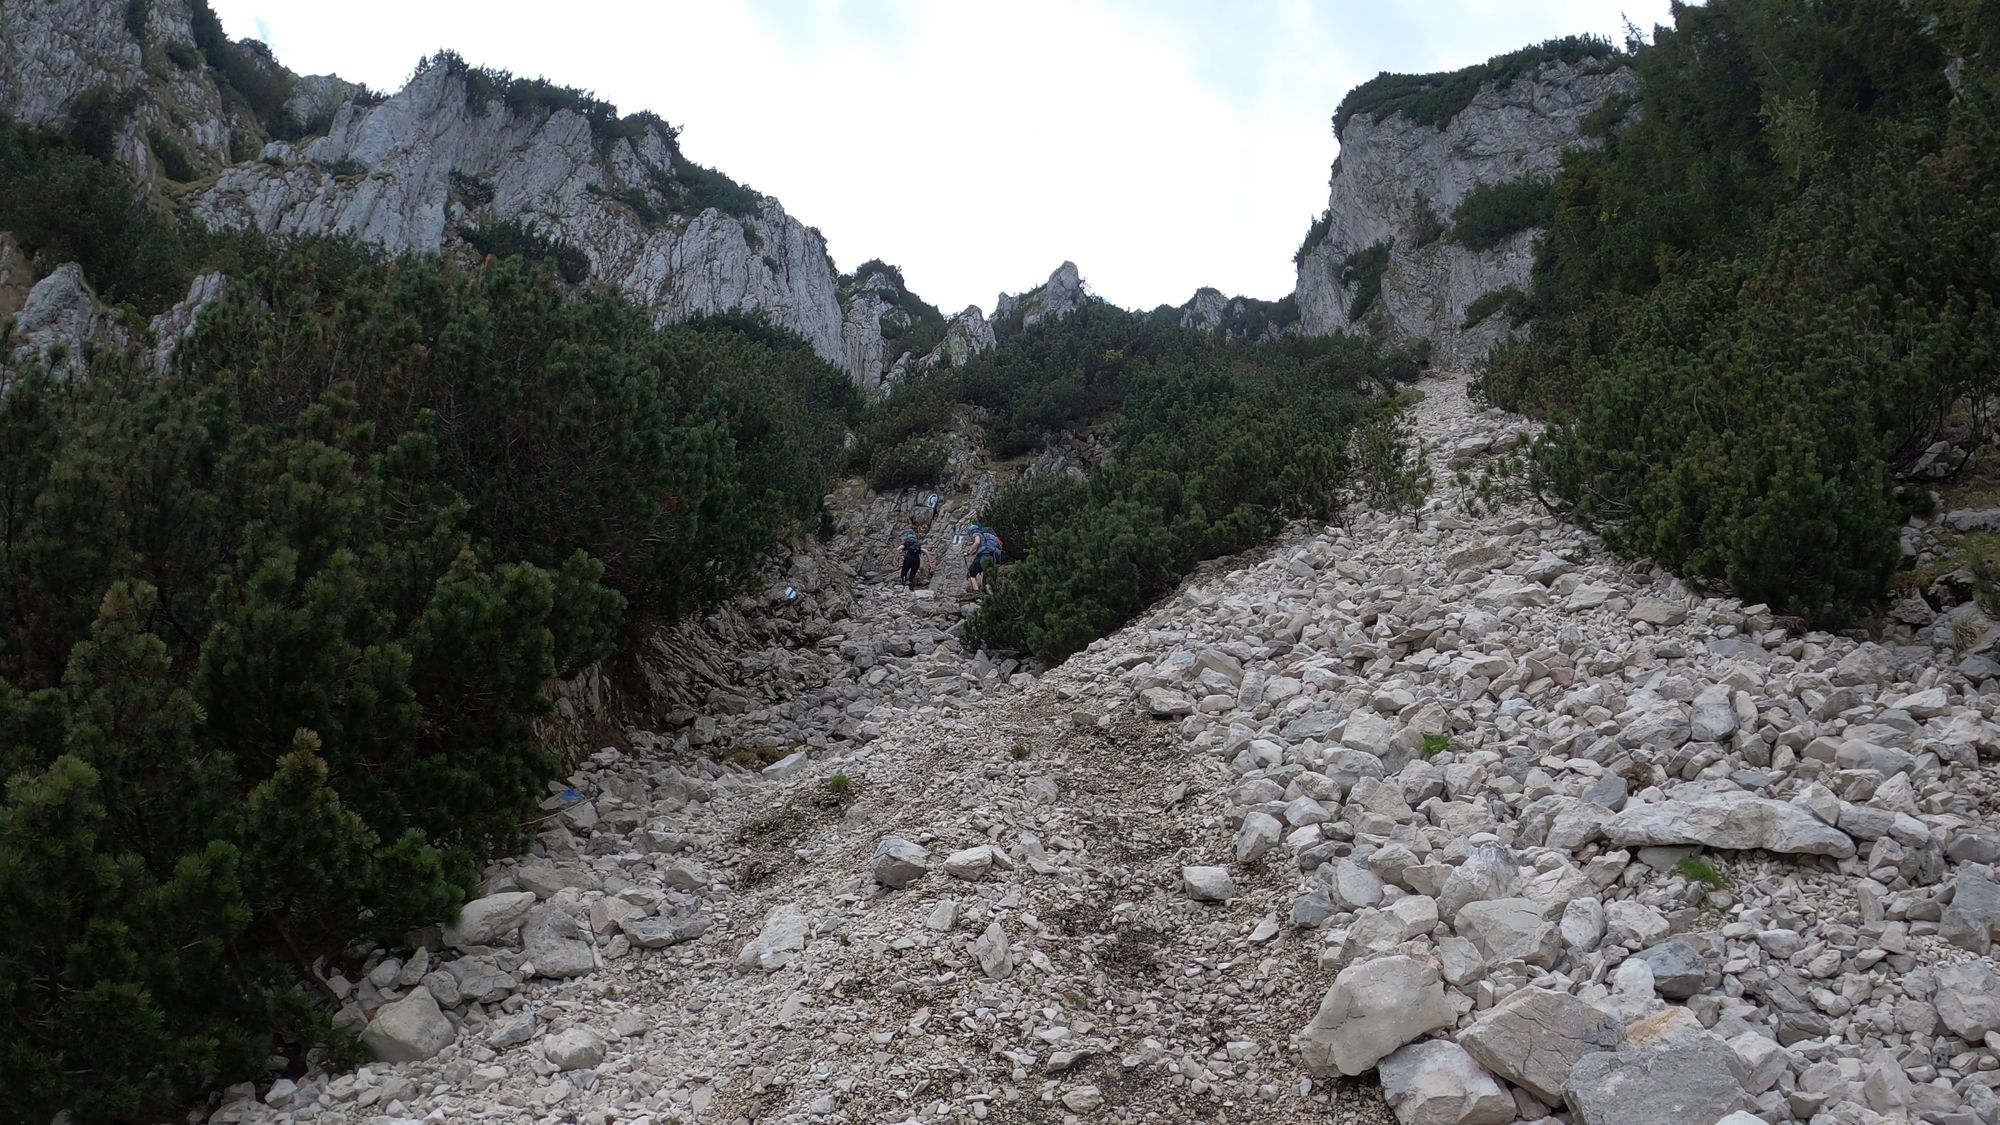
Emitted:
pixel 978 563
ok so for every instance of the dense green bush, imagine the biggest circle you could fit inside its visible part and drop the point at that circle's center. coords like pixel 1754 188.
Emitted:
pixel 1364 270
pixel 1211 459
pixel 915 462
pixel 278 621
pixel 1508 297
pixel 1031 506
pixel 65 206
pixel 1768 292
pixel 246 73
pixel 1434 99
pixel 472 191
pixel 1492 213
pixel 512 238
pixel 173 158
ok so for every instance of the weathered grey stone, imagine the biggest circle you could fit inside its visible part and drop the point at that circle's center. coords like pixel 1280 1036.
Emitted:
pixel 513 1031
pixel 1727 822
pixel 1653 611
pixel 1535 1036
pixel 1973 916
pixel 1582 925
pixel 660 932
pixel 410 1030
pixel 1713 718
pixel 485 921
pixel 1208 884
pixel 1437 1083
pixel 995 959
pixel 898 862
pixel 1668 1070
pixel 554 942
pixel 1679 966
pixel 1968 1000
pixel 575 1049
pixel 1510 929
pixel 1373 1007
pixel 779 942
pixel 1260 832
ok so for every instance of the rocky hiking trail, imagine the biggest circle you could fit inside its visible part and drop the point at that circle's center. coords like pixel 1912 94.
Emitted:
pixel 1384 823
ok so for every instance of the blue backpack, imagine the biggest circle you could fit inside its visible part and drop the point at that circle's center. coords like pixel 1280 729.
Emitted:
pixel 989 543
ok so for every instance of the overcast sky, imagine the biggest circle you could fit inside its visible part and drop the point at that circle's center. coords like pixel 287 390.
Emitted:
pixel 1162 145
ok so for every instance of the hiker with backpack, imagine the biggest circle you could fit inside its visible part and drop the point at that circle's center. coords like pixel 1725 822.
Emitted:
pixel 915 555
pixel 983 552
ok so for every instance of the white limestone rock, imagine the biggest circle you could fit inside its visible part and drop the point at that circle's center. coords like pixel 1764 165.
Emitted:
pixel 409 1030
pixel 1372 1008
pixel 1394 176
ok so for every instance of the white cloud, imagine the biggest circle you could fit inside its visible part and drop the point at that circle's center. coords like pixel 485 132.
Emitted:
pixel 974 145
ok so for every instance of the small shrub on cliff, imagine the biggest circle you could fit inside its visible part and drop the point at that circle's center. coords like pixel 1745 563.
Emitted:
pixel 1363 271
pixel 1492 213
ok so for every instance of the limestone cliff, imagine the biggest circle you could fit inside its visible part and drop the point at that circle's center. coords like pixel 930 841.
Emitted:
pixel 457 159
pixel 134 67
pixel 1397 184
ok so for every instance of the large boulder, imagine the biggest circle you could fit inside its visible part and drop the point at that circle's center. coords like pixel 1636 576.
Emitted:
pixel 1533 1038
pixel 485 921
pixel 1668 1070
pixel 1973 917
pixel 1968 1000
pixel 554 942
pixel 1436 1083
pixel 1727 822
pixel 1510 929
pixel 575 1049
pixel 410 1030
pixel 898 862
pixel 1374 1007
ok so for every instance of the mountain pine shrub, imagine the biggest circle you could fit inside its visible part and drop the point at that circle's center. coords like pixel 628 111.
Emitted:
pixel 1768 292
pixel 280 620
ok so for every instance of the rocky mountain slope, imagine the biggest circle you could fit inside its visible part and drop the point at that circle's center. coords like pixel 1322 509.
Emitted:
pixel 450 160
pixel 1396 185
pixel 1464 809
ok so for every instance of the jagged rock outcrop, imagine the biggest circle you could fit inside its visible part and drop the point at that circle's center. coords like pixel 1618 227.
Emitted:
pixel 1054 299
pixel 965 336
pixel 1239 318
pixel 57 56
pixel 871 311
pixel 62 319
pixel 436 159
pixel 889 332
pixel 1398 181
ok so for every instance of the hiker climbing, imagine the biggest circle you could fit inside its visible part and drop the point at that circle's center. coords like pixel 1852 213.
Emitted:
pixel 984 554
pixel 915 558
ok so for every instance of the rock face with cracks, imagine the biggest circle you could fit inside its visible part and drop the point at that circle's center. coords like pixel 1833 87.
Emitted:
pixel 1396 185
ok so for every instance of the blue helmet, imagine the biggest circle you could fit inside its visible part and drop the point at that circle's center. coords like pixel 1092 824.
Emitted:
pixel 909 537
